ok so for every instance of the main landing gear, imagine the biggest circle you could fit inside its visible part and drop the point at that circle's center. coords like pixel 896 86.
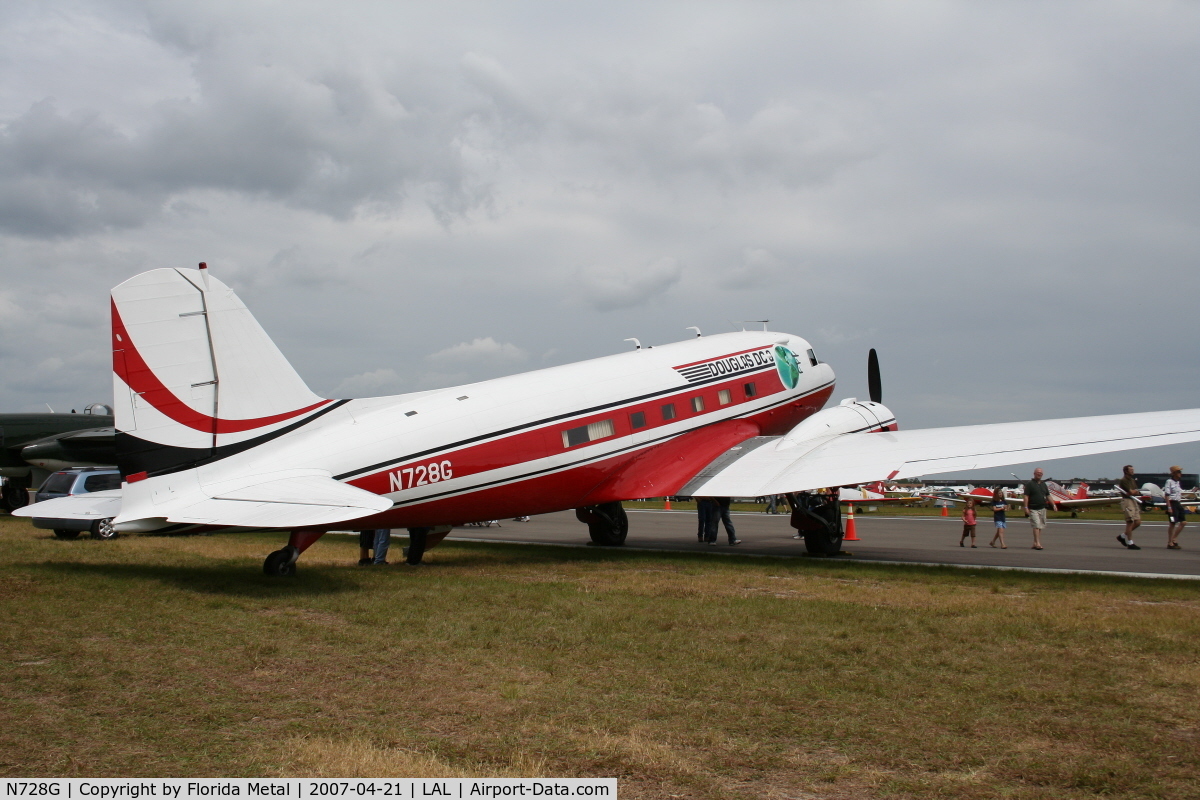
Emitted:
pixel 817 518
pixel 607 523
pixel 14 494
pixel 282 563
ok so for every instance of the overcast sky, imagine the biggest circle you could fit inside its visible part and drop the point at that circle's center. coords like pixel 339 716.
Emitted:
pixel 1003 198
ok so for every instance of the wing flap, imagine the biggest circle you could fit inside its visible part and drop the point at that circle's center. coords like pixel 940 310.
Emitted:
pixel 862 457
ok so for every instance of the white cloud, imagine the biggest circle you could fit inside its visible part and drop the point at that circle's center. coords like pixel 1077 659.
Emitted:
pixel 479 351
pixel 376 383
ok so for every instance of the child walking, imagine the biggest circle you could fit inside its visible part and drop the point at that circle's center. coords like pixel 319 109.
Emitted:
pixel 968 523
pixel 999 506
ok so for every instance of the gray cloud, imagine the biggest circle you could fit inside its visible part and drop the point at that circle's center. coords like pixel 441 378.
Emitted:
pixel 958 185
pixel 608 290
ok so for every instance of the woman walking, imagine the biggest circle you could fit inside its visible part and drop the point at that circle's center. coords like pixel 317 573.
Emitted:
pixel 999 506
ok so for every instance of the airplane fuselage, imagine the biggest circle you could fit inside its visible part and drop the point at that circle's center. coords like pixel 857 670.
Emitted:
pixel 631 425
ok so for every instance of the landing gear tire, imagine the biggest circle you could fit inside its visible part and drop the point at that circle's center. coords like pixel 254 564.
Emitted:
pixel 607 523
pixel 14 493
pixel 823 543
pixel 103 529
pixel 59 533
pixel 818 518
pixel 281 563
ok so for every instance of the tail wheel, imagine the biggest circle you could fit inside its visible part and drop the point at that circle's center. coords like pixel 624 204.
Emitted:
pixel 103 529
pixel 281 563
pixel 607 523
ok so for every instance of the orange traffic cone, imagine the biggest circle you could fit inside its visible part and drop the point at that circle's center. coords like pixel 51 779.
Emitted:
pixel 666 504
pixel 945 511
pixel 851 533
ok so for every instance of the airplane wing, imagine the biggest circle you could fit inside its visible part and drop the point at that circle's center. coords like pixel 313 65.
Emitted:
pixel 771 465
pixel 1087 502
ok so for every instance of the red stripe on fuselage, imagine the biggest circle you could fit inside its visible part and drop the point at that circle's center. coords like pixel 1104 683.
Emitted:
pixel 657 470
pixel 651 470
pixel 532 445
pixel 130 367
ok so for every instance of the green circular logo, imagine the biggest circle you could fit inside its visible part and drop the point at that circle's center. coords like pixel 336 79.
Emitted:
pixel 789 368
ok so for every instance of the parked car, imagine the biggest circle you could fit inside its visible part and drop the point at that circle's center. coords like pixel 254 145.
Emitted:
pixel 79 480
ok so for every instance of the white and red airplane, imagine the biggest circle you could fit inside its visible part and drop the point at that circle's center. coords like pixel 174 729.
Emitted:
pixel 216 429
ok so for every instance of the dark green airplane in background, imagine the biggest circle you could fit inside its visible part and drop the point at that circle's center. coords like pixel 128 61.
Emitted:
pixel 34 445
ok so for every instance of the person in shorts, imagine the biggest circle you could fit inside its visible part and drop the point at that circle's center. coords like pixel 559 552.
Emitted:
pixel 999 512
pixel 968 518
pixel 1128 487
pixel 1176 513
pixel 1037 500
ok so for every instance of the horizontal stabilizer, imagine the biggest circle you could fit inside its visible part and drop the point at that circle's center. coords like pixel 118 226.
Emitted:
pixel 96 505
pixel 295 499
pixel 854 458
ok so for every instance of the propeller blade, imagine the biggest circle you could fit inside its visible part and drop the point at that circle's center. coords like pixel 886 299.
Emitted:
pixel 874 386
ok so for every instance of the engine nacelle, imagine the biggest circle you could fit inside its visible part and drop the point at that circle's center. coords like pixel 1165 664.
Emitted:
pixel 849 416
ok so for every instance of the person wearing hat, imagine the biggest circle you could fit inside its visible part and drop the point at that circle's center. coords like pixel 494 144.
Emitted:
pixel 1176 514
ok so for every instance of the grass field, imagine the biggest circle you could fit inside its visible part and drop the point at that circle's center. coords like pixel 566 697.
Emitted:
pixel 683 676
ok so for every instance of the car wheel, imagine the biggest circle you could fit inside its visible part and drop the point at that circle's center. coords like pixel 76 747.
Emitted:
pixel 59 533
pixel 103 529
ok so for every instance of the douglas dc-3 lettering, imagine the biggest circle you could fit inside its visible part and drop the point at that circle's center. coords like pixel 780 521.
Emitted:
pixel 215 429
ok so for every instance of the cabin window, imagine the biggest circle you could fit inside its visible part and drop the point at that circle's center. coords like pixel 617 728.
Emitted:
pixel 750 389
pixel 697 404
pixel 812 357
pixel 638 419
pixel 724 397
pixel 668 411
pixel 588 433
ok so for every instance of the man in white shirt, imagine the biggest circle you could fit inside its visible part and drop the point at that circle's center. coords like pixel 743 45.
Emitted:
pixel 1176 514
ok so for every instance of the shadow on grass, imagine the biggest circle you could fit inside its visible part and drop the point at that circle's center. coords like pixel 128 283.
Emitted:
pixel 231 581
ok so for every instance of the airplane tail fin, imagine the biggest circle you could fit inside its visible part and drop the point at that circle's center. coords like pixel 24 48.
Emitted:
pixel 1082 492
pixel 194 375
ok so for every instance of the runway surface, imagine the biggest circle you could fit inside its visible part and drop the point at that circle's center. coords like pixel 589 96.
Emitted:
pixel 1071 546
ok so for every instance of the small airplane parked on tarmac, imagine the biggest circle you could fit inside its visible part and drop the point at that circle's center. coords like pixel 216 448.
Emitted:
pixel 215 429
pixel 1066 500
pixel 1063 499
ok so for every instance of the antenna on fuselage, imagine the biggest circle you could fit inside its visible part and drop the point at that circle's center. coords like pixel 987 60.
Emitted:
pixel 745 322
pixel 697 330
pixel 636 342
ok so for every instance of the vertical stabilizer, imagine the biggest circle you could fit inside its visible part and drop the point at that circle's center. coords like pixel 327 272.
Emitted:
pixel 194 374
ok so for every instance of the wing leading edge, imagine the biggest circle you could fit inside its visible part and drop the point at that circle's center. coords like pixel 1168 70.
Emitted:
pixel 769 466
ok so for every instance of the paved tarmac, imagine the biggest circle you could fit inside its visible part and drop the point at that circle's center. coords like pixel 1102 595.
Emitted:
pixel 1070 545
